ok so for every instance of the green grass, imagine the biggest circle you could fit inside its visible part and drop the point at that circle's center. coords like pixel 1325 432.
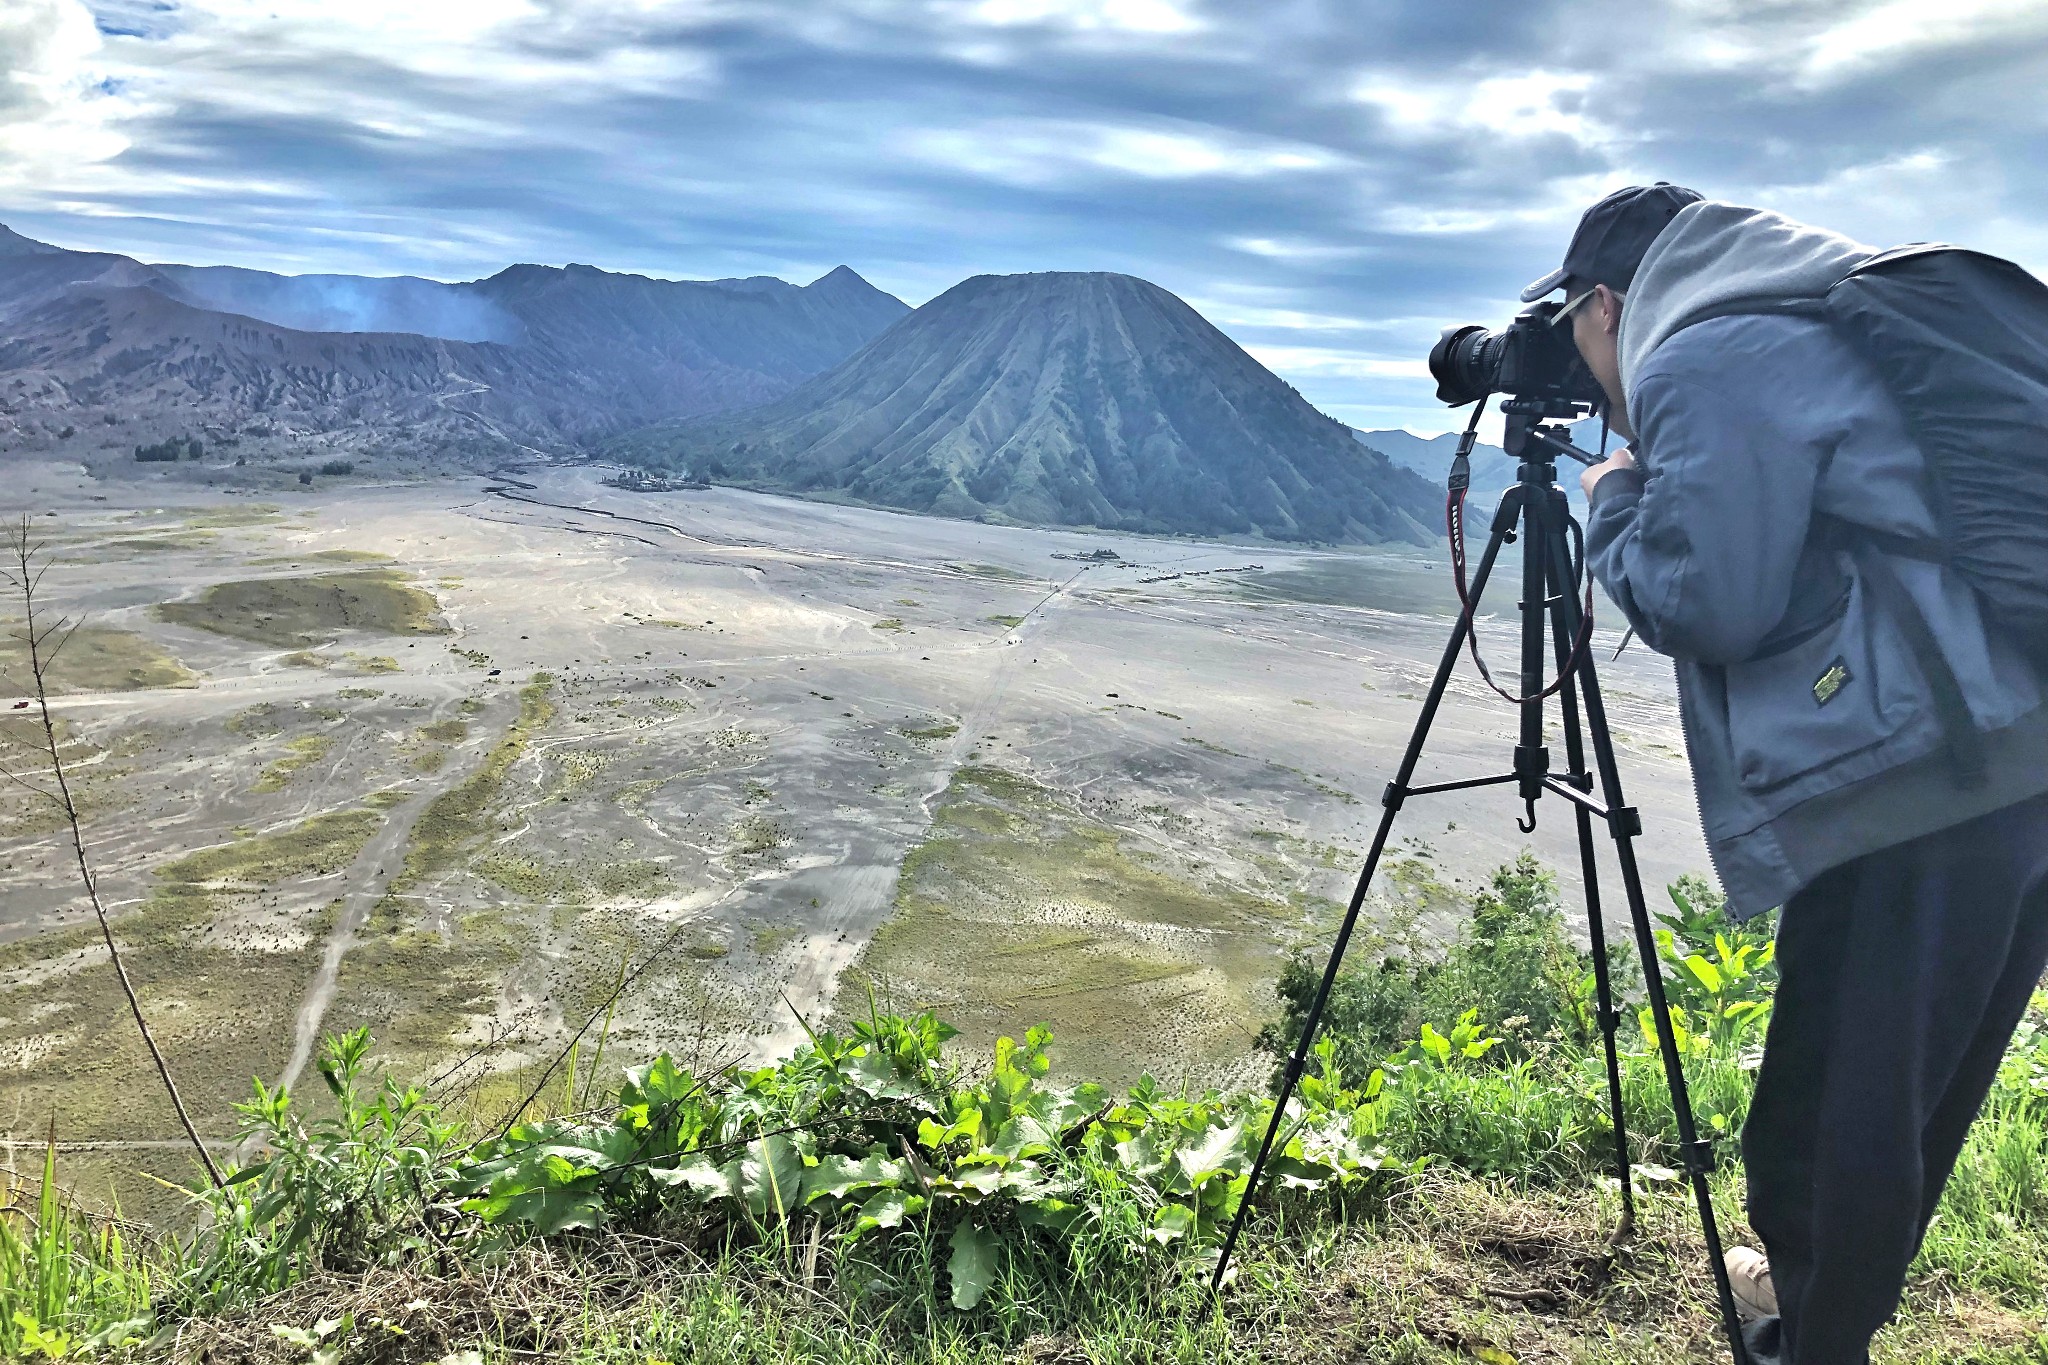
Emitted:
pixel 459 816
pixel 1452 1207
pixel 301 753
pixel 1019 909
pixel 301 612
pixel 93 659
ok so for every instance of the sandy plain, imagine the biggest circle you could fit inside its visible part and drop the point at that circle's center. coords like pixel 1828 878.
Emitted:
pixel 447 759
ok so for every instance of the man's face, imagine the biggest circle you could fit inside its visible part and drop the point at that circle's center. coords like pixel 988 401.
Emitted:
pixel 1596 328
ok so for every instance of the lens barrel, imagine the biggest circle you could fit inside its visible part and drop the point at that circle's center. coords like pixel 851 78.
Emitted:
pixel 1465 362
pixel 1530 358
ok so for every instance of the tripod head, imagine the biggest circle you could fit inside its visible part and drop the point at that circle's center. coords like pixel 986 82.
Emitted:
pixel 1528 440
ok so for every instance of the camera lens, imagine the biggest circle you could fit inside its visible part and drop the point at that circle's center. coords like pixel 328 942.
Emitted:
pixel 1465 362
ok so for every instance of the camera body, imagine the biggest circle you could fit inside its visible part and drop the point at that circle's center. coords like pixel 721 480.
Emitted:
pixel 1531 358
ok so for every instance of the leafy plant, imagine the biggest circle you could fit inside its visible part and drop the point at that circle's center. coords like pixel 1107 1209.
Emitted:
pixel 1513 960
pixel 1723 972
pixel 874 1135
pixel 362 1186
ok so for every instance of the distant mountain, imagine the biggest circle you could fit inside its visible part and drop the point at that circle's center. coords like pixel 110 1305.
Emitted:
pixel 1493 469
pixel 532 357
pixel 1061 399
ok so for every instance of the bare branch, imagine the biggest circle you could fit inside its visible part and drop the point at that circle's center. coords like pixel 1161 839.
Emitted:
pixel 19 780
pixel 25 554
pixel 70 628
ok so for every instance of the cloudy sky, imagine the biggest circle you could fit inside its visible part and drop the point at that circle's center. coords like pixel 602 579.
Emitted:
pixel 1329 182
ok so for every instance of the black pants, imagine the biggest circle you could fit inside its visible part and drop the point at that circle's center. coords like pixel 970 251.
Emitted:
pixel 1902 976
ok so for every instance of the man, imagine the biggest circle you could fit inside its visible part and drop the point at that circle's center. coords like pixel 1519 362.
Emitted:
pixel 1915 896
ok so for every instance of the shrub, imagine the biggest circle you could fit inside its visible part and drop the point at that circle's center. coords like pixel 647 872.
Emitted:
pixel 1514 961
pixel 171 449
pixel 338 467
pixel 364 1186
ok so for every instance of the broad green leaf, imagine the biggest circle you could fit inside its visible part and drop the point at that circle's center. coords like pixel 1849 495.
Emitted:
pixel 1021 1135
pixel 972 1266
pixel 1705 972
pixel 697 1172
pixel 836 1176
pixel 1211 1156
pixel 887 1210
pixel 1051 1215
pixel 932 1135
pixel 1170 1223
pixel 771 1177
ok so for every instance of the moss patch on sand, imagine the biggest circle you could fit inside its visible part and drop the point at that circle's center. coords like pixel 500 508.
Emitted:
pixel 93 659
pixel 302 752
pixel 254 514
pixel 1018 909
pixel 220 969
pixel 329 557
pixel 300 612
pixel 158 544
pixel 457 817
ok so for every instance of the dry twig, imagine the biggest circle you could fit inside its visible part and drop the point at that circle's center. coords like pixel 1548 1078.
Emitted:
pixel 44 639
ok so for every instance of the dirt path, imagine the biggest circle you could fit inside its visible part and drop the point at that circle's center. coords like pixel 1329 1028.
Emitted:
pixel 367 879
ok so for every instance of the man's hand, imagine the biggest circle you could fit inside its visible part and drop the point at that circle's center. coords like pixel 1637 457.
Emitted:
pixel 1624 458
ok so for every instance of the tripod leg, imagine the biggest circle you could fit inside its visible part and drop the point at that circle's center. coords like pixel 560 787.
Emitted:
pixel 1609 1019
pixel 1391 805
pixel 1624 825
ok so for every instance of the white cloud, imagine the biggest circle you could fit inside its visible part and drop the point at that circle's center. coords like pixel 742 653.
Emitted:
pixel 1886 33
pixel 58 113
pixel 1226 314
pixel 1129 16
pixel 1330 362
pixel 1045 151
pixel 1293 250
pixel 1518 106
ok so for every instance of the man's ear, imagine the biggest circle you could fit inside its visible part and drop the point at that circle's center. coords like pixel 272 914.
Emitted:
pixel 1610 309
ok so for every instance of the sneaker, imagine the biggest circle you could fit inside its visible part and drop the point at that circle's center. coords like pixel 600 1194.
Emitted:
pixel 1749 1275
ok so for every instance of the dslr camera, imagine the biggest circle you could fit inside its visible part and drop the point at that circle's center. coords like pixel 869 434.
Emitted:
pixel 1531 359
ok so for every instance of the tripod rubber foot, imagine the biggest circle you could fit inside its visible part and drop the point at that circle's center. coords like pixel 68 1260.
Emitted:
pixel 1624 1231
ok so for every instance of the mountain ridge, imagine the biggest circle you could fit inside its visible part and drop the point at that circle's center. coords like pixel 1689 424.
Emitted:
pixel 548 358
pixel 1060 398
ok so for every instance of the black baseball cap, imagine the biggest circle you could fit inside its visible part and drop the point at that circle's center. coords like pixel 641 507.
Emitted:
pixel 1614 235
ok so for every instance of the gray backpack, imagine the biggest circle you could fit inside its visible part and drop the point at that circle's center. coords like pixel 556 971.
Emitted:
pixel 1961 341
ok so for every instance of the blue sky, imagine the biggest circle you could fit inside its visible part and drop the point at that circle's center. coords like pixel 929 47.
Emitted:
pixel 1331 183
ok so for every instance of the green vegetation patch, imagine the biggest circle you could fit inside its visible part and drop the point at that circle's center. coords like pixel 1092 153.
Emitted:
pixel 300 753
pixel 1011 621
pixel 221 1003
pixel 330 557
pixel 944 729
pixel 459 816
pixel 1385 582
pixel 158 544
pixel 1017 909
pixel 311 609
pixel 753 836
pixel 94 659
pixel 994 571
pixel 254 514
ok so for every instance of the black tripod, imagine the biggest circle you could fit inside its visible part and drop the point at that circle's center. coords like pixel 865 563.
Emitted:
pixel 1535 513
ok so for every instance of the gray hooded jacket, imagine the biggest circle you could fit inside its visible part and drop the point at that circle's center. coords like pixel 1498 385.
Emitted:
pixel 1813 736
